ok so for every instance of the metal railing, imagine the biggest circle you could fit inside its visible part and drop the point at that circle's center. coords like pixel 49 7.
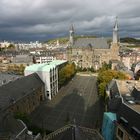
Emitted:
pixel 66 127
pixel 58 131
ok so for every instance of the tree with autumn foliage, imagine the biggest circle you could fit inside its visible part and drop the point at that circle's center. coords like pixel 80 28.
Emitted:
pixel 104 77
pixel 66 73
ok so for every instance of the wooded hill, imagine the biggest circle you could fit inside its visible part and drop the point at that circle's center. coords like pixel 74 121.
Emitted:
pixel 130 40
pixel 64 40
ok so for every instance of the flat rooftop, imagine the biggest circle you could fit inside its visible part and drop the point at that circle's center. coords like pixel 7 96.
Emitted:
pixel 130 92
pixel 45 66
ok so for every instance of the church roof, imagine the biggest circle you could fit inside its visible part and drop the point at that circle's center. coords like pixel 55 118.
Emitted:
pixel 96 43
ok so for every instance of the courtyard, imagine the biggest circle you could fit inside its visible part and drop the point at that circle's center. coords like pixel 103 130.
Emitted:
pixel 77 103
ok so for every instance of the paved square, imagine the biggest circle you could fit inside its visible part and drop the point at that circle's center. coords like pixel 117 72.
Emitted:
pixel 76 102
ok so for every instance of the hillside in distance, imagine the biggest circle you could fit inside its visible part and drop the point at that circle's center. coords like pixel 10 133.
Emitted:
pixel 130 40
pixel 134 43
pixel 64 40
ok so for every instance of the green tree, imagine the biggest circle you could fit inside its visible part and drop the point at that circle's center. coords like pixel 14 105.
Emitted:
pixel 84 69
pixel 22 116
pixel 105 66
pixel 11 46
pixel 16 68
pixel 92 69
pixel 21 69
pixel 62 77
pixel 104 77
pixel 66 73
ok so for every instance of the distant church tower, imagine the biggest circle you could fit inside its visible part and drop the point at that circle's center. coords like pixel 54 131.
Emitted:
pixel 71 39
pixel 115 32
pixel 115 45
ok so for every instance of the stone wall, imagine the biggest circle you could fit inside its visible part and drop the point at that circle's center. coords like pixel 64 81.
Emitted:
pixel 28 103
pixel 89 57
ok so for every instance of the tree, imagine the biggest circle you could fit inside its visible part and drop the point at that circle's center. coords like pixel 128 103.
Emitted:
pixel 101 88
pixel 11 46
pixel 84 69
pixel 66 73
pixel 62 77
pixel 16 68
pixel 92 69
pixel 21 69
pixel 104 77
pixel 105 66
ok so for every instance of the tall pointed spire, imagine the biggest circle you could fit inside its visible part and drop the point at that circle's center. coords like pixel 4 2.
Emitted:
pixel 71 40
pixel 116 24
pixel 72 28
pixel 115 31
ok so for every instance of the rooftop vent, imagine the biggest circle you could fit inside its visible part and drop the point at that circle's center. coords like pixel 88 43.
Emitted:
pixel 128 94
pixel 131 102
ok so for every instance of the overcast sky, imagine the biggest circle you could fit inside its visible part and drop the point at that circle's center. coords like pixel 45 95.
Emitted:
pixel 43 19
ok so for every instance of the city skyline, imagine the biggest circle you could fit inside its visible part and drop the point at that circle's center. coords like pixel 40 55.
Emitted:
pixel 41 20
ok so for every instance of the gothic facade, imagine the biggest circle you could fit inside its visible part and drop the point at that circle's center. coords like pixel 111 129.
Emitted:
pixel 92 52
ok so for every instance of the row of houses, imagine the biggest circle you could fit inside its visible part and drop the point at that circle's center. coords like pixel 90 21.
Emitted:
pixel 122 121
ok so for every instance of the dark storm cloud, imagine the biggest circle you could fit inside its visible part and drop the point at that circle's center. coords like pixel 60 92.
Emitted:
pixel 41 18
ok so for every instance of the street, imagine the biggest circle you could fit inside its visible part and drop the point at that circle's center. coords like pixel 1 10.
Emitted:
pixel 76 103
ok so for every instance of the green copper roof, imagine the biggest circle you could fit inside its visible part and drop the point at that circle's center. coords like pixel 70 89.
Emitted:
pixel 44 66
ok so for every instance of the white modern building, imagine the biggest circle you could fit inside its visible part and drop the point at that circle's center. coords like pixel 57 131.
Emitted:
pixel 27 46
pixel 44 59
pixel 48 73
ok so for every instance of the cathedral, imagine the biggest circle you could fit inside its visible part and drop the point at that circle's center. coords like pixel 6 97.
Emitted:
pixel 93 52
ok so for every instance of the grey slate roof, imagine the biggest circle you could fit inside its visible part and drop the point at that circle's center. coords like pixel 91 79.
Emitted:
pixel 96 43
pixel 6 77
pixel 131 116
pixel 22 59
pixel 125 109
pixel 15 90
pixel 76 133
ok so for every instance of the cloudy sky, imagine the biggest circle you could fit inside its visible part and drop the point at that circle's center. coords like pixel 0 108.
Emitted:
pixel 43 19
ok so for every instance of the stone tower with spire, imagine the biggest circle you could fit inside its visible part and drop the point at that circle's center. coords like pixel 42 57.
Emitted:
pixel 115 45
pixel 115 32
pixel 71 37
pixel 71 43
